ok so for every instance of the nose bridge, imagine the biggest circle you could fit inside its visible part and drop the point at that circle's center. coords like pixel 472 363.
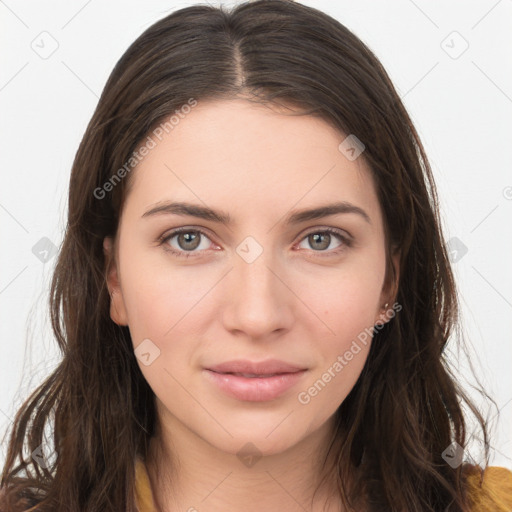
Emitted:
pixel 259 302
pixel 256 277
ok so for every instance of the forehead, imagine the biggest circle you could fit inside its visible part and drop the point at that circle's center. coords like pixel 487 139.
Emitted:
pixel 239 155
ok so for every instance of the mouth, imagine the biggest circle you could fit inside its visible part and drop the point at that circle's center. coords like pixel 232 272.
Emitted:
pixel 269 367
pixel 252 375
pixel 252 381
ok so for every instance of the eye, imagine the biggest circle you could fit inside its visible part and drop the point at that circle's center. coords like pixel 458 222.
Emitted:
pixel 183 242
pixel 321 240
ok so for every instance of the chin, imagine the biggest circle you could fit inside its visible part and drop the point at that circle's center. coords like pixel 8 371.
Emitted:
pixel 262 438
pixel 252 446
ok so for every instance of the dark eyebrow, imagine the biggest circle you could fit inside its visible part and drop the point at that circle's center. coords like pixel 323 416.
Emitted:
pixel 203 212
pixel 194 210
pixel 325 211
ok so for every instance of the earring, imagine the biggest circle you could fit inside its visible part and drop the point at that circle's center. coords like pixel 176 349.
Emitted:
pixel 385 307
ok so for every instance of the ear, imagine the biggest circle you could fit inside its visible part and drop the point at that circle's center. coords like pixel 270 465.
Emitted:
pixel 389 292
pixel 117 306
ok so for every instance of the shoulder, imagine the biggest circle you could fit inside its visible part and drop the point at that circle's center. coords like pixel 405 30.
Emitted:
pixel 489 490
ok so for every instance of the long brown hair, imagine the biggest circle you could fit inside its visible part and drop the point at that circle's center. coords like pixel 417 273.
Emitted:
pixel 406 407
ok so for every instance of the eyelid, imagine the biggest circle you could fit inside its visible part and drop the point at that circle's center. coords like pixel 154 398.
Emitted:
pixel 329 229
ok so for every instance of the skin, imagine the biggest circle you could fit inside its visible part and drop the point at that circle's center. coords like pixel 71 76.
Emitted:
pixel 298 301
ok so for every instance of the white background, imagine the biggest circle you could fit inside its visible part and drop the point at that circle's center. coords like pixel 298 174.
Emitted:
pixel 462 108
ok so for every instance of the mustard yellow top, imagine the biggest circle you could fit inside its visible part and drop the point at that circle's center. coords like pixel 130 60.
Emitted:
pixel 493 495
pixel 143 494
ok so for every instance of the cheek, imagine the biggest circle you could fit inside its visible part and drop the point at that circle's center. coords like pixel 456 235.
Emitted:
pixel 341 354
pixel 347 296
pixel 160 299
pixel 347 301
pixel 350 317
pixel 163 306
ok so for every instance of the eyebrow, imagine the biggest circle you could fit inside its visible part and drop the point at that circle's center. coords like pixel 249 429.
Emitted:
pixel 295 217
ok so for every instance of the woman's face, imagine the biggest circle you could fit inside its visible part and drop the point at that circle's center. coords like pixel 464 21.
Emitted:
pixel 251 325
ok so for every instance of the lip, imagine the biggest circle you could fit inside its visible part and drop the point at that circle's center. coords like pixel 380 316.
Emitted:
pixel 266 367
pixel 254 381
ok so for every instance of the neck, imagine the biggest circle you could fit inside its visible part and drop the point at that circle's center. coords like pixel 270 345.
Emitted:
pixel 189 474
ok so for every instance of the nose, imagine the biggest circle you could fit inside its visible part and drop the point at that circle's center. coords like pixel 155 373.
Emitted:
pixel 259 302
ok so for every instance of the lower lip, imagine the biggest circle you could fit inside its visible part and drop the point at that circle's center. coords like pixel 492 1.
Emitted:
pixel 254 389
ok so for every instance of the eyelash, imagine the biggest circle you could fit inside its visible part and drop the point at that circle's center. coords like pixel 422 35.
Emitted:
pixel 164 239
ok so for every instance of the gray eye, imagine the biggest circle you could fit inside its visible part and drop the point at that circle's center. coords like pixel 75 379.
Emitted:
pixel 321 240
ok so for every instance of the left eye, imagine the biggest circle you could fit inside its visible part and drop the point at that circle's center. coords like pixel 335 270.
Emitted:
pixel 319 241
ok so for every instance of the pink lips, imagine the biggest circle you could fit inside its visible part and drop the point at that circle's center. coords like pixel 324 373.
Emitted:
pixel 254 381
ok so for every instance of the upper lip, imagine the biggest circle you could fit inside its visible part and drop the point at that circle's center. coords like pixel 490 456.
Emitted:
pixel 267 367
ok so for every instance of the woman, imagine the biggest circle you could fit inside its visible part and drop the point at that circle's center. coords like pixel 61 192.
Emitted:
pixel 253 293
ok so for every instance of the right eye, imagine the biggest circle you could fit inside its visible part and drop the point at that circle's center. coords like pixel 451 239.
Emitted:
pixel 183 242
